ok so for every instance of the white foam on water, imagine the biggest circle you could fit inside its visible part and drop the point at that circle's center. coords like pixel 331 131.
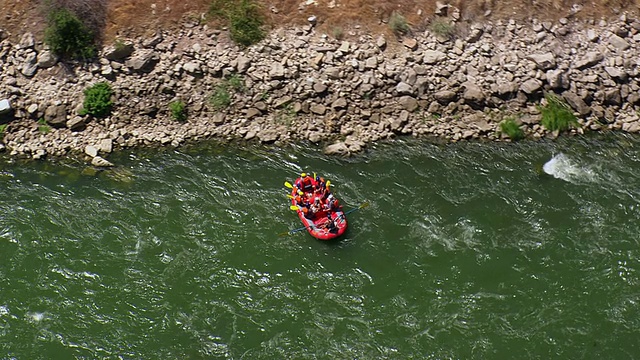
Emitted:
pixel 36 316
pixel 562 167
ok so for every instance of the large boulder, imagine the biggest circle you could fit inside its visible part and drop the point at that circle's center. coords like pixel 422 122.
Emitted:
pixel 408 103
pixel 576 102
pixel 46 59
pixel 546 61
pixel 268 135
pixel 339 148
pixel 27 41
pixel 590 59
pixel 473 93
pixel 30 65
pixel 531 86
pixel 445 96
pixel 143 61
pixel 56 115
pixel 118 52
pixel 558 79
pixel 433 57
pixel 76 123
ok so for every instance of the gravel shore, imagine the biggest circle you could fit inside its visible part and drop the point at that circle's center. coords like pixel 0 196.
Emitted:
pixel 299 84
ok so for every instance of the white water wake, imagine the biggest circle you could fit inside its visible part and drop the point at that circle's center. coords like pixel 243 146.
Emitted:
pixel 562 167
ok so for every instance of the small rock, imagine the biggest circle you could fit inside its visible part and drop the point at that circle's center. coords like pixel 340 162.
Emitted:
pixel 5 106
pixel 39 154
pixel 340 103
pixel 410 43
pixel 218 118
pixel 243 64
pixel 531 86
pixel 319 87
pixel 252 112
pixel 616 74
pixel 408 103
pixel 371 63
pixel 100 162
pixel 433 57
pixel 105 146
pixel 618 42
pixel 76 123
pixel 192 67
pixel 344 47
pixel 318 109
pixel 91 150
pixel 32 109
pixel 277 71
pixel 445 96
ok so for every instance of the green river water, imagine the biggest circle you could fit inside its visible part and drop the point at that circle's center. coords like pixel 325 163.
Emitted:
pixel 467 251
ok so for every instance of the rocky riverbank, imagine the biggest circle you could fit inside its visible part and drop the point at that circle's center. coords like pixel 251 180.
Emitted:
pixel 299 84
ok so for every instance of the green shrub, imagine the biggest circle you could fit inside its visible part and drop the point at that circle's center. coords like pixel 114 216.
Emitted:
pixel 244 19
pixel 221 97
pixel 68 37
pixel 236 83
pixel 286 115
pixel 43 127
pixel 119 45
pixel 219 8
pixel 223 92
pixel 511 129
pixel 442 27
pixel 398 24
pixel 3 128
pixel 97 100
pixel 178 110
pixel 556 115
pixel 337 32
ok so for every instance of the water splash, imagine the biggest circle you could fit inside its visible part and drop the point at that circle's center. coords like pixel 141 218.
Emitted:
pixel 562 167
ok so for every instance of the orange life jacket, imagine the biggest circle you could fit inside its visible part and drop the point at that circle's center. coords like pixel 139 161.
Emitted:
pixel 307 183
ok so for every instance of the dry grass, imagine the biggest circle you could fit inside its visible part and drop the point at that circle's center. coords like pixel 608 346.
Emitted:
pixel 140 17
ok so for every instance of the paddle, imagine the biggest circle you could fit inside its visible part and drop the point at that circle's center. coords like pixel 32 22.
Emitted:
pixel 288 184
pixel 291 232
pixel 364 205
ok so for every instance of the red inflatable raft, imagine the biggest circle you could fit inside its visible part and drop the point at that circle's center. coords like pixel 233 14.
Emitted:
pixel 327 223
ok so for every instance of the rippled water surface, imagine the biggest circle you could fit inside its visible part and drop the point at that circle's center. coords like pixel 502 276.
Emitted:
pixel 470 250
